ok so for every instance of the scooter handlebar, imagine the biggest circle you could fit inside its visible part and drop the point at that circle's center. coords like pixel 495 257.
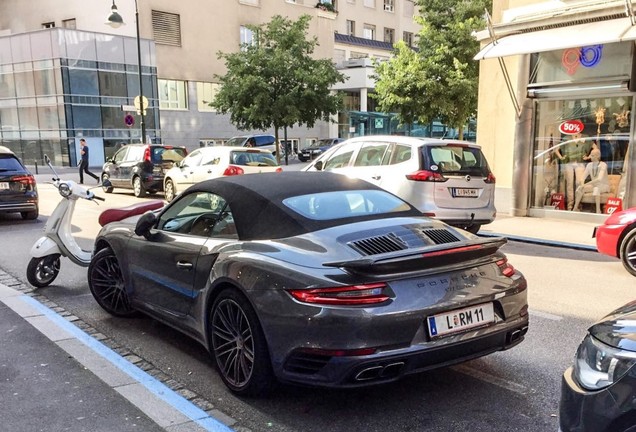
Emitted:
pixel 98 198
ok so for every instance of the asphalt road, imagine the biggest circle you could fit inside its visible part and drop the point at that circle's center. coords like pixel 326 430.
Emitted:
pixel 515 390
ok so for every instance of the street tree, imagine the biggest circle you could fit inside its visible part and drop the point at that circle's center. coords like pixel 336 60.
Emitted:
pixel 275 82
pixel 438 80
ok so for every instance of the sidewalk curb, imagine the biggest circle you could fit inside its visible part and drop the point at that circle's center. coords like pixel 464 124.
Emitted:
pixel 541 242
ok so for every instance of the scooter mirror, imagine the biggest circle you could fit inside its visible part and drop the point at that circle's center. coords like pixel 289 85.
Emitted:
pixel 46 159
pixel 145 223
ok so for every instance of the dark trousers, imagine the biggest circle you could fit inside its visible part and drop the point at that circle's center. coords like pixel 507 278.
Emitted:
pixel 83 168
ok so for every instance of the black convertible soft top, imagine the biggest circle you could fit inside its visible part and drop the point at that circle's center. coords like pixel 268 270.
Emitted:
pixel 257 205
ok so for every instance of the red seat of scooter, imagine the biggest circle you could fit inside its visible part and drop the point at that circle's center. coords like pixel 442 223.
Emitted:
pixel 117 214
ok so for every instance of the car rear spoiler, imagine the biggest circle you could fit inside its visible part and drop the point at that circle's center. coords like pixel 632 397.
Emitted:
pixel 421 258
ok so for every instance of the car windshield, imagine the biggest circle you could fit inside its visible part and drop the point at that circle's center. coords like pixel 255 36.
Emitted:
pixel 9 163
pixel 235 142
pixel 456 159
pixel 344 204
pixel 252 158
pixel 167 154
pixel 321 143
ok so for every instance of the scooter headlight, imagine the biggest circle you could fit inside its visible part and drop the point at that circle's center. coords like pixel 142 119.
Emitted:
pixel 598 365
pixel 65 190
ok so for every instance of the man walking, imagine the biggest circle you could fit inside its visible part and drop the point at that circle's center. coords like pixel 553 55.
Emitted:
pixel 83 166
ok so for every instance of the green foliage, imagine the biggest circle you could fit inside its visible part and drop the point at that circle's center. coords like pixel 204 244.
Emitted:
pixel 276 82
pixel 443 66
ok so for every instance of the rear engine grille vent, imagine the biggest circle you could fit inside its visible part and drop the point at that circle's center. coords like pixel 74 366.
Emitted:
pixel 440 236
pixel 379 244
pixel 306 363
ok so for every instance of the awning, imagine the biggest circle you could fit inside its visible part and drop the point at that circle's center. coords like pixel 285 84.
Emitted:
pixel 593 33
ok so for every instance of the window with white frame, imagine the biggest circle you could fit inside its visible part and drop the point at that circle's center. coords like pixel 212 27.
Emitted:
pixel 368 32
pixel 172 94
pixel 351 28
pixel 248 37
pixel 206 91
pixel 389 5
pixel 369 3
pixel 407 37
pixel 389 35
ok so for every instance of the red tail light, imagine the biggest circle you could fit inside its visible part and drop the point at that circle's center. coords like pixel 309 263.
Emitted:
pixel 425 175
pixel 233 170
pixel 147 154
pixel 353 295
pixel 27 180
pixel 506 268
pixel 490 178
pixel 451 251
pixel 279 169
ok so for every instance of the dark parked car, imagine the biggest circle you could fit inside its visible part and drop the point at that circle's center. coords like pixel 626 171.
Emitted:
pixel 317 148
pixel 141 167
pixel 311 278
pixel 598 393
pixel 18 190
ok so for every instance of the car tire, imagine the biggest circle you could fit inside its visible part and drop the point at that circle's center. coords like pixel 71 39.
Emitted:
pixel 30 215
pixel 106 283
pixel 107 189
pixel 138 187
pixel 628 252
pixel 169 190
pixel 42 271
pixel 236 338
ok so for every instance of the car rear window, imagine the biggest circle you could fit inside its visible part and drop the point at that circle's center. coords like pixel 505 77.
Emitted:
pixel 167 154
pixel 456 159
pixel 344 204
pixel 252 158
pixel 10 163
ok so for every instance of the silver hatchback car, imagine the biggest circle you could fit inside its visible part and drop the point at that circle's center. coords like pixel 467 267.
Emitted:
pixel 446 179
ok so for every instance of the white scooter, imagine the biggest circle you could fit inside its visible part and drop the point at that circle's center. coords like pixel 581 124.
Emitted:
pixel 58 239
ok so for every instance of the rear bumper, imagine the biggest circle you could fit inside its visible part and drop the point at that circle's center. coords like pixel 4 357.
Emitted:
pixel 26 205
pixel 383 367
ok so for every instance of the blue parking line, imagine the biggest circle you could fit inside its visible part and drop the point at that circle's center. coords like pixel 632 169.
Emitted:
pixel 153 385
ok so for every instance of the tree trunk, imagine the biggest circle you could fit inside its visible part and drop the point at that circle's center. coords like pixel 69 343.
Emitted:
pixel 277 144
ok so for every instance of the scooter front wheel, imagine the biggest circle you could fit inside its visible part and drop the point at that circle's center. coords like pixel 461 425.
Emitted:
pixel 43 270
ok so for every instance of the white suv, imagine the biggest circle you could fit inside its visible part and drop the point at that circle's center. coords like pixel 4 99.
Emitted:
pixel 446 179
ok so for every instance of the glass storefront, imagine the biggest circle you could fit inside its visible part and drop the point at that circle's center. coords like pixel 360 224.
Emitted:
pixel 581 132
pixel 580 153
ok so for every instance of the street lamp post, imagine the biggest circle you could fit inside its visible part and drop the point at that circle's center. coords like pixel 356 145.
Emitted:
pixel 115 21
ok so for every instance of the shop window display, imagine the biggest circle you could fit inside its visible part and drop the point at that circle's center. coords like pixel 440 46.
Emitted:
pixel 580 153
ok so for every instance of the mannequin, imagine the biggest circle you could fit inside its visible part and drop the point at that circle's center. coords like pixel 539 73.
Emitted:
pixel 573 152
pixel 599 182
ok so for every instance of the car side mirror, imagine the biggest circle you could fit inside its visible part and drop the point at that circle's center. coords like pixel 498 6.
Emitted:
pixel 145 224
pixel 318 166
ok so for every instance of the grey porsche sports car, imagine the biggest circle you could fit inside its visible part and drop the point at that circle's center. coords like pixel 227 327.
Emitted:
pixel 312 278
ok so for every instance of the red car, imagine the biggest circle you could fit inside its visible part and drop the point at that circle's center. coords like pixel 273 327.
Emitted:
pixel 617 237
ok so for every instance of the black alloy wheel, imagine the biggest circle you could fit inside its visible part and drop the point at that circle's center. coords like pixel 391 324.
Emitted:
pixel 628 252
pixel 107 284
pixel 41 272
pixel 238 345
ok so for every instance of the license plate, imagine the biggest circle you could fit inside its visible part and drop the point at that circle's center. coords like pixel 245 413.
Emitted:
pixel 4 186
pixel 465 192
pixel 461 319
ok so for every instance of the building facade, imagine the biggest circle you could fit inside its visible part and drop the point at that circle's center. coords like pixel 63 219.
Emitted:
pixel 556 106
pixel 94 66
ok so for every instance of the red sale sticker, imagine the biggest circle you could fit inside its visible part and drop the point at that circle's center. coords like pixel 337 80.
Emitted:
pixel 571 127
pixel 613 205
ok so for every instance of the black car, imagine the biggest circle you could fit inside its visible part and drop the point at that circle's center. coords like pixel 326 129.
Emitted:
pixel 312 278
pixel 317 148
pixel 141 167
pixel 598 393
pixel 18 190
